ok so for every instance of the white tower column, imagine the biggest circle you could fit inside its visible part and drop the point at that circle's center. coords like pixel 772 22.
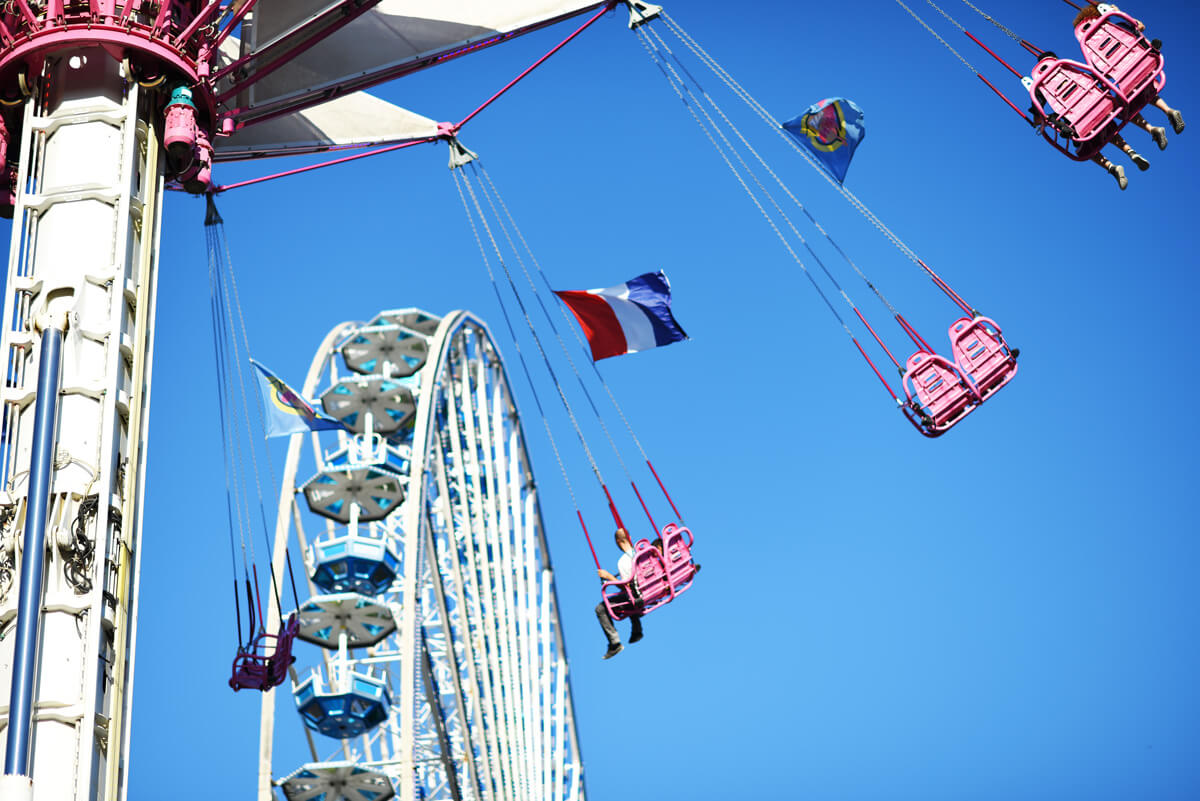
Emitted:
pixel 84 246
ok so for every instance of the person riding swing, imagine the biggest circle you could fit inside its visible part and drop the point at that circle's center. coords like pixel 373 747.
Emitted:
pixel 625 570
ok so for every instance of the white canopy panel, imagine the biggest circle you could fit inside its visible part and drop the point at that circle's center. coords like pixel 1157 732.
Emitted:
pixel 357 119
pixel 392 38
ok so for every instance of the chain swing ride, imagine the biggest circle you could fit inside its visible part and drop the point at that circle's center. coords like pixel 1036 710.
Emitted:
pixel 431 594
pixel 1079 108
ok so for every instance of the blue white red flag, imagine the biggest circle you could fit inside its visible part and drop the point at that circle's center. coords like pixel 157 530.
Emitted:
pixel 831 130
pixel 287 412
pixel 626 318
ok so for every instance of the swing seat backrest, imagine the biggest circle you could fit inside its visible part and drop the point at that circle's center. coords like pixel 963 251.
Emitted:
pixel 1077 96
pixel 648 589
pixel 1114 48
pixel 938 388
pixel 677 554
pixel 981 354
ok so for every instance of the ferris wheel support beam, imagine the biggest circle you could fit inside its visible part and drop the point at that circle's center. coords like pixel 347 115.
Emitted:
pixel 83 256
pixel 279 554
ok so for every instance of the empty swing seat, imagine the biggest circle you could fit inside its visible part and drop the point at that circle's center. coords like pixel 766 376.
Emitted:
pixel 256 669
pixel 677 555
pixel 1114 48
pixel 648 589
pixel 1082 107
pixel 981 354
pixel 937 393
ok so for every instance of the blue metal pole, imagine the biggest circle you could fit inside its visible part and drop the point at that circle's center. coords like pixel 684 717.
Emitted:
pixel 17 750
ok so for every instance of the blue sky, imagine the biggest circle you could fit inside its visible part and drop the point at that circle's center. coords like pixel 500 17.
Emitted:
pixel 1007 612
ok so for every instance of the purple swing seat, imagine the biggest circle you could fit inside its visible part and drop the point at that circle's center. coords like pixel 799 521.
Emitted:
pixel 658 576
pixel 938 395
pixel 1085 102
pixel 255 669
pixel 981 354
pixel 1123 56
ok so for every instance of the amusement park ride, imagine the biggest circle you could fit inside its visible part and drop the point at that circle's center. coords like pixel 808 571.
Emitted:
pixel 103 105
pixel 430 596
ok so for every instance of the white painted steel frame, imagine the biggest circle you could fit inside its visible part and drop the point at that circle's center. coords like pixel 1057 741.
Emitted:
pixel 475 597
pixel 85 245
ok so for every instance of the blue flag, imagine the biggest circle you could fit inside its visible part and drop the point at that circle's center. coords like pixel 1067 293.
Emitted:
pixel 831 130
pixel 287 412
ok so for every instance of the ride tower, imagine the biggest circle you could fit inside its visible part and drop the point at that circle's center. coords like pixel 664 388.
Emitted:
pixel 439 670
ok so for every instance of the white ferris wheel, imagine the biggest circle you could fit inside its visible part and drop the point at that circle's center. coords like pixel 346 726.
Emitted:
pixel 435 666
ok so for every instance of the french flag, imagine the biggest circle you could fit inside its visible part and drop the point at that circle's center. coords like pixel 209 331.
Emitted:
pixel 626 318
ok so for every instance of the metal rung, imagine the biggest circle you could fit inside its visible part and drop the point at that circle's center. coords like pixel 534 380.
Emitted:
pixel 113 116
pixel 40 202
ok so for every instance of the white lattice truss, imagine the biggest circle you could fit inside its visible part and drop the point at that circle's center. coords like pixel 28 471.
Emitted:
pixel 476 669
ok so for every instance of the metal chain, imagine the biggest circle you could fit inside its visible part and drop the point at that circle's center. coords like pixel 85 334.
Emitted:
pixel 458 181
pixel 990 19
pixel 683 93
pixel 935 35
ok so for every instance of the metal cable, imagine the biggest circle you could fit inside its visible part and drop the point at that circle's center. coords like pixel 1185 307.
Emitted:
pixel 682 92
pixel 992 20
pixel 561 342
pixel 570 324
pixel 762 112
pixel 787 190
pixel 533 331
pixel 935 34
pixel 517 345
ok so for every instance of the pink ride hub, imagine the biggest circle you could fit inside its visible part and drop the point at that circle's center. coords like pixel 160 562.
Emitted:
pixel 658 576
pixel 162 43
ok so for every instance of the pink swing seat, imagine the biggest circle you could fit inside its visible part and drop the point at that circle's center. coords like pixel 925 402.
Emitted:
pixel 982 355
pixel 658 576
pixel 1123 56
pixel 1084 108
pixel 938 395
pixel 255 669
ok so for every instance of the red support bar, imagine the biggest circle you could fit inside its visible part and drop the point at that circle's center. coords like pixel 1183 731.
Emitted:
pixel 882 380
pixel 612 507
pixel 877 339
pixel 310 167
pixel 653 525
pixel 608 7
pixel 587 537
pixel 992 54
pixel 199 20
pixel 1037 51
pixel 664 490
pixel 258 597
pixel 1011 105
pixel 912 333
pixel 954 296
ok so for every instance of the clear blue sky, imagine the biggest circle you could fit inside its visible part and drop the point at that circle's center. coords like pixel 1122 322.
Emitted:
pixel 1005 613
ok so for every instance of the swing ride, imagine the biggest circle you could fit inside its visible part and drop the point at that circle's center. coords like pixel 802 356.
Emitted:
pixel 430 600
pixel 1079 108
